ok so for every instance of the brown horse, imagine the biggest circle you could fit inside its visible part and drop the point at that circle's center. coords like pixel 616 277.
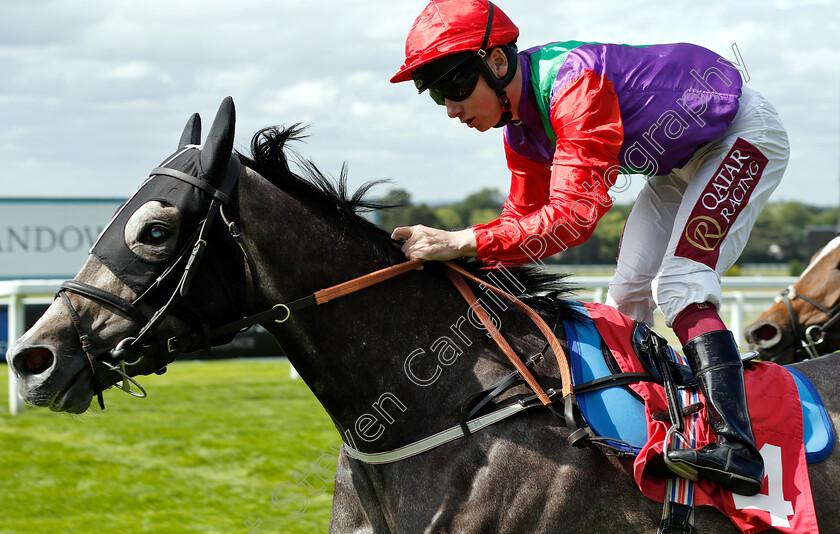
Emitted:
pixel 803 322
pixel 391 364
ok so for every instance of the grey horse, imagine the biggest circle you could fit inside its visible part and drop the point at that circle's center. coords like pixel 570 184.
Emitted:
pixel 391 364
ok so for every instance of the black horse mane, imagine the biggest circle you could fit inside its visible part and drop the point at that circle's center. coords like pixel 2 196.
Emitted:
pixel 270 158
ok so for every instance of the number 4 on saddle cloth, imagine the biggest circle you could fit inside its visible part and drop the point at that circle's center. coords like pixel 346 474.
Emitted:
pixel 788 417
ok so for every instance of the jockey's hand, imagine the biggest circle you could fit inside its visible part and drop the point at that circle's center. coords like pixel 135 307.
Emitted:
pixel 433 244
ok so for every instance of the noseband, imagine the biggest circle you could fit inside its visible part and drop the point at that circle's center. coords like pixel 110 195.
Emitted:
pixel 814 334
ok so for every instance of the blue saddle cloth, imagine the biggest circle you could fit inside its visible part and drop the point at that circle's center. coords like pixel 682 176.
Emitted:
pixel 618 413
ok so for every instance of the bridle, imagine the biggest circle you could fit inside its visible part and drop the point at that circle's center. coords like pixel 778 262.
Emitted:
pixel 815 334
pixel 131 351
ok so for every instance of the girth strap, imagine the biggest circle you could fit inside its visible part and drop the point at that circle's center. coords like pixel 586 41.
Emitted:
pixel 436 440
pixel 617 379
pixel 475 402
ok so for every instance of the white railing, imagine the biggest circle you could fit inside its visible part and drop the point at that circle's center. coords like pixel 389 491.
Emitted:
pixel 17 293
pixel 741 295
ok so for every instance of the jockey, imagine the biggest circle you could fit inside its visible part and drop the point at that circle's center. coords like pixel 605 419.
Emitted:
pixel 579 118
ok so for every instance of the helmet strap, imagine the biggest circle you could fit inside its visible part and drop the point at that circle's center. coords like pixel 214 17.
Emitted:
pixel 507 114
pixel 499 84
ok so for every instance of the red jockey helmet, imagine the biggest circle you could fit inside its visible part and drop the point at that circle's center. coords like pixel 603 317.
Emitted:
pixel 450 26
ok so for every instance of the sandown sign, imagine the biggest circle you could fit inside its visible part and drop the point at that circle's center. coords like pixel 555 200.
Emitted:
pixel 49 238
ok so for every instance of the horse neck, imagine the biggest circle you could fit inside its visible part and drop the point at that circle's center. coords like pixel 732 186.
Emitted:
pixel 391 363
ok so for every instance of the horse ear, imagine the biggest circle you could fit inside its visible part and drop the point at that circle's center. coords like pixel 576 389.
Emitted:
pixel 192 132
pixel 218 146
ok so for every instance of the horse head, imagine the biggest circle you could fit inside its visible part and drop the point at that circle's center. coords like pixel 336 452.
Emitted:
pixel 103 325
pixel 148 292
pixel 802 321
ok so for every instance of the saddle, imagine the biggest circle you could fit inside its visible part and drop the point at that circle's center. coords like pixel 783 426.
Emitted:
pixel 615 413
pixel 635 395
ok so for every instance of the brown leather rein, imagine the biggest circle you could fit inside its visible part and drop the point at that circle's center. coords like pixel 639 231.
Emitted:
pixel 456 275
pixel 164 352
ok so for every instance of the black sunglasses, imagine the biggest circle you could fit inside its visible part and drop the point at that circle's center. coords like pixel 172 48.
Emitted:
pixel 457 85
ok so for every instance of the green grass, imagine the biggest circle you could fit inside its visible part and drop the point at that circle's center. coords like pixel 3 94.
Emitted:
pixel 203 453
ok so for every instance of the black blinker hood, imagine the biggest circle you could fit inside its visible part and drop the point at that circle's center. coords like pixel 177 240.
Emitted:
pixel 188 180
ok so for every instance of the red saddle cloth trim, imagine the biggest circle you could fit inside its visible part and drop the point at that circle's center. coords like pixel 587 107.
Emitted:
pixel 776 415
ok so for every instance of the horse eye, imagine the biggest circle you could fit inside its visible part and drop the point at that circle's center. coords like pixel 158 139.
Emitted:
pixel 156 235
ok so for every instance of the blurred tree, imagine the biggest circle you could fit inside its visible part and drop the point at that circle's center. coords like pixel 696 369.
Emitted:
pixel 778 235
pixel 449 217
pixel 780 232
pixel 795 268
pixel 483 215
pixel 406 213
pixel 486 199
pixel 826 217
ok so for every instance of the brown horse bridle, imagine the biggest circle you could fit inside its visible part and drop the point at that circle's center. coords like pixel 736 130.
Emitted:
pixel 812 336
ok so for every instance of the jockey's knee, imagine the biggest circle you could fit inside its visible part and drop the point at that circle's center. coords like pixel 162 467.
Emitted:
pixel 674 293
pixel 638 305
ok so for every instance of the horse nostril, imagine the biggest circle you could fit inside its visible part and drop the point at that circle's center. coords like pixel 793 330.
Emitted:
pixel 38 360
pixel 766 332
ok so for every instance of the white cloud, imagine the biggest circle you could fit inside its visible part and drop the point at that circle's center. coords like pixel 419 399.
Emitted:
pixel 135 71
pixel 320 94
pixel 95 92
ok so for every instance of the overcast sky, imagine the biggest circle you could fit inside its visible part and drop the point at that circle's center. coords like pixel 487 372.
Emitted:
pixel 94 93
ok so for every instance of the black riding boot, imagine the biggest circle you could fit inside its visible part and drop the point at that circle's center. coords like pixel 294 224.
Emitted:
pixel 733 461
